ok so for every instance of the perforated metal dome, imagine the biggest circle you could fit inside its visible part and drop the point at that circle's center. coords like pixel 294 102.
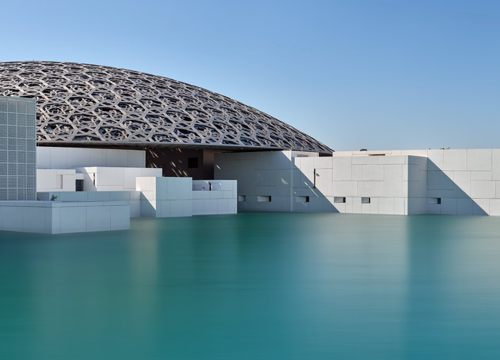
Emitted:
pixel 100 105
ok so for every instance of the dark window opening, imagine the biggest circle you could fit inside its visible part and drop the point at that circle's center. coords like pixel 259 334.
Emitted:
pixel 79 185
pixel 192 163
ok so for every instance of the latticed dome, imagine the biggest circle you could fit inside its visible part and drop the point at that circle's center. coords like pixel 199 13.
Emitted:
pixel 99 105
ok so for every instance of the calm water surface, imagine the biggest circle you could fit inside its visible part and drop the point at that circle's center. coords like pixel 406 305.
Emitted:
pixel 256 286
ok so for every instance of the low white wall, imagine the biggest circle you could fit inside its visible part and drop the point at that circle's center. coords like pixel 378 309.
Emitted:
pixel 70 158
pixel 222 199
pixel 165 197
pixel 114 178
pixel 55 180
pixel 54 217
pixel 132 197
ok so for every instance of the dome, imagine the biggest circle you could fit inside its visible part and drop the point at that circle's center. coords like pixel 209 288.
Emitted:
pixel 91 105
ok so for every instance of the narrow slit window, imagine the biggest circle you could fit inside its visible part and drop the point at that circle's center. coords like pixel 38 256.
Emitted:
pixel 304 199
pixel 339 200
pixel 262 198
pixel 365 200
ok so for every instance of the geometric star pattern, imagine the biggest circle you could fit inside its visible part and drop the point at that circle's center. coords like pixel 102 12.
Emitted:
pixel 91 103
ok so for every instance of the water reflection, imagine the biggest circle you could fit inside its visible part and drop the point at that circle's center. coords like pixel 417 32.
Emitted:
pixel 256 286
pixel 453 289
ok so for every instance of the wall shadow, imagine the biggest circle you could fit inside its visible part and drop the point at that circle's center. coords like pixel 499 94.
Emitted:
pixel 447 196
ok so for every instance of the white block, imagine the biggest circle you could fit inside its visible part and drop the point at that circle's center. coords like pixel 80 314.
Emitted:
pixel 198 207
pixel 222 206
pixel 357 172
pixel 341 168
pixel 365 160
pixel 108 176
pixel 436 159
pixel 482 189
pixel 187 207
pixel 479 159
pixel 455 160
pixel 99 218
pixel 210 206
pixel 344 188
pixel 176 209
pixel 400 206
pixel 495 164
pixel 370 188
pixel 42 157
pixel 386 206
pixel 392 160
pixel 373 172
pixel 494 207
pixel 323 162
pixel 120 217
pixel 480 175
pixel 71 219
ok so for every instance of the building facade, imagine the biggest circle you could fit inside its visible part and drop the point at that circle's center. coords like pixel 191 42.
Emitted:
pixel 17 148
pixel 454 182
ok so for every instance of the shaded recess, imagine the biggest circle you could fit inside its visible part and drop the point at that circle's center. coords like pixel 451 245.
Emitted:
pixel 91 105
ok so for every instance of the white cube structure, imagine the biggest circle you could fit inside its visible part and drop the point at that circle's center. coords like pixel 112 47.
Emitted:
pixel 165 197
pixel 214 197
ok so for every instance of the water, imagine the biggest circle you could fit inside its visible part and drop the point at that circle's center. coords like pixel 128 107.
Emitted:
pixel 256 286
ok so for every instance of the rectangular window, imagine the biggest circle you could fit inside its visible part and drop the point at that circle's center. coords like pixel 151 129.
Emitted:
pixel 365 200
pixel 339 200
pixel 304 199
pixel 242 198
pixel 192 163
pixel 263 198
pixel 435 201
pixel 79 185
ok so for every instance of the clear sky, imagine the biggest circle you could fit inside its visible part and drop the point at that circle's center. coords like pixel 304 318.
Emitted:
pixel 375 74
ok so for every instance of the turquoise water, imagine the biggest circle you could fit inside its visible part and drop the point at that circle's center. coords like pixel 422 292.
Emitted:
pixel 256 286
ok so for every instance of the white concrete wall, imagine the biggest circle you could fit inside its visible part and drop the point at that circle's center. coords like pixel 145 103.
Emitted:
pixel 165 197
pixel 467 181
pixel 54 217
pixel 221 200
pixel 55 180
pixel 462 182
pixel 114 178
pixel 71 158
pixel 132 197
pixel 301 183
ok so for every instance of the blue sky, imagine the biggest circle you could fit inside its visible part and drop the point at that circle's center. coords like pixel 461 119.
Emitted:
pixel 376 74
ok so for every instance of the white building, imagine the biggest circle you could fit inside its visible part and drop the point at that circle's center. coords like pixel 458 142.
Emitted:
pixel 455 182
pixel 114 144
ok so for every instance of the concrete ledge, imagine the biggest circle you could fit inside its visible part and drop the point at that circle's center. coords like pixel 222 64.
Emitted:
pixel 57 217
